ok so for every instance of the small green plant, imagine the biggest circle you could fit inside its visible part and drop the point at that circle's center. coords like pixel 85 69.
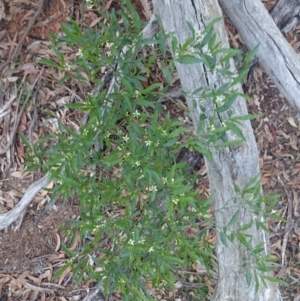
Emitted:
pixel 136 202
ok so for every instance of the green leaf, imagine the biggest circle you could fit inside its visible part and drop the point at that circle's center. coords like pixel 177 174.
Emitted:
pixel 223 239
pixel 234 218
pixel 228 103
pixel 171 142
pixel 248 276
pixel 127 85
pixel 236 130
pixel 177 132
pixel 49 63
pixel 188 60
pixel 167 74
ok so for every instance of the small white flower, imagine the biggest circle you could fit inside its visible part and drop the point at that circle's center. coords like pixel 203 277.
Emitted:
pixel 211 128
pixel 137 93
pixel 218 67
pixel 193 209
pixel 89 4
pixel 273 211
pixel 152 188
pixel 219 100
pixel 186 218
pixel 126 138
pixel 141 241
pixel 79 53
pixel 175 201
pixel 136 113
pixel 67 67
pixel 148 142
pixel 151 250
pixel 164 180
pixel 250 197
pixel 131 242
pixel 109 45
pixel 198 36
pixel 190 49
pixel 137 163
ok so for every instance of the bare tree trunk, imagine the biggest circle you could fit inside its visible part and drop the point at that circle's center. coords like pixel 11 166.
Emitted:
pixel 230 166
pixel 275 54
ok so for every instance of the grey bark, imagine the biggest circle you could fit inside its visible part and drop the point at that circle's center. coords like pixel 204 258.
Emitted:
pixel 235 165
pixel 275 54
pixel 286 14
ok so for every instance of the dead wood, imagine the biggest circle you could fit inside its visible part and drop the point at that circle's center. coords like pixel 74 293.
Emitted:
pixel 230 166
pixel 275 54
pixel 286 14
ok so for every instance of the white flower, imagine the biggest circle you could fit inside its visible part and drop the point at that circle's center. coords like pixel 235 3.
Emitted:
pixel 141 241
pixel 193 209
pixel 148 142
pixel 136 113
pixel 137 163
pixel 211 128
pixel 175 201
pixel 89 4
pixel 109 45
pixel 198 36
pixel 137 93
pixel 131 242
pixel 219 100
pixel 151 250
pixel 152 188
pixel 126 138
pixel 79 53
pixel 164 180
pixel 218 67
pixel 67 67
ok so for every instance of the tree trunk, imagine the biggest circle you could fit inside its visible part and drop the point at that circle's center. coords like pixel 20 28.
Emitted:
pixel 275 54
pixel 234 165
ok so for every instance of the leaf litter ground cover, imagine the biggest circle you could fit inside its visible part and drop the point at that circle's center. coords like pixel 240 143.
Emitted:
pixel 31 255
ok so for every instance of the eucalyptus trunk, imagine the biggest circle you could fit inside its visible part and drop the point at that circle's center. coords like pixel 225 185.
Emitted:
pixel 230 166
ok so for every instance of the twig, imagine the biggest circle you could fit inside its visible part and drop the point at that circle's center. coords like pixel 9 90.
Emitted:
pixel 34 111
pixel 18 48
pixel 17 119
pixel 289 221
pixel 8 218
pixel 38 289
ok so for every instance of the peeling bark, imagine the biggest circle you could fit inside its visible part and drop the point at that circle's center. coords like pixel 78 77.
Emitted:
pixel 234 165
pixel 275 54
pixel 286 14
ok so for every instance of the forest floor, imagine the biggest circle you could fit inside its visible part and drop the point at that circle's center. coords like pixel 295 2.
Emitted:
pixel 31 255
